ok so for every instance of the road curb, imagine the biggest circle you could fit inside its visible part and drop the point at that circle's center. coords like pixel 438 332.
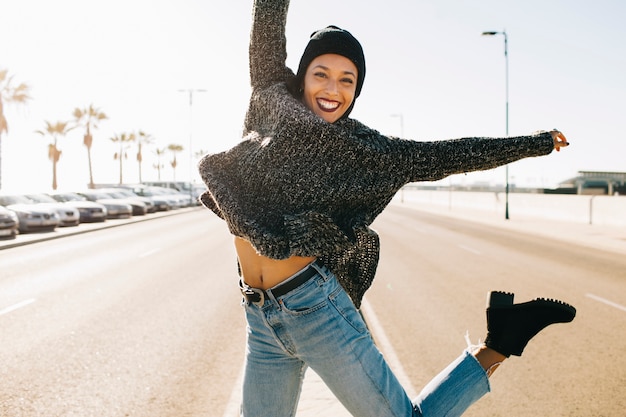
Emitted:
pixel 59 232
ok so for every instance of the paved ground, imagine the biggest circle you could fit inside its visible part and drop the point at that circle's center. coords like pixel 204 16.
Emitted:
pixel 316 399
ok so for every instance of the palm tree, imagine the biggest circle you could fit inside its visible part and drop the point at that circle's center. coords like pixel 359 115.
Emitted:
pixel 142 139
pixel 199 154
pixel 124 139
pixel 88 118
pixel 9 93
pixel 159 153
pixel 174 149
pixel 54 153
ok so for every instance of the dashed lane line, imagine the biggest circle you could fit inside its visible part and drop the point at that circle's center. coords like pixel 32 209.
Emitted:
pixel 607 302
pixel 16 306
pixel 471 250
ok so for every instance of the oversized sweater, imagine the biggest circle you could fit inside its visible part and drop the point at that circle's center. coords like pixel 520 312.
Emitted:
pixel 298 185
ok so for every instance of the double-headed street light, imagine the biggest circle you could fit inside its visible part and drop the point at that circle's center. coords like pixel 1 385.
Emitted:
pixel 506 58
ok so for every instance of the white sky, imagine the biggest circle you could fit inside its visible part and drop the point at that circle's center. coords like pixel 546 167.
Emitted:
pixel 425 60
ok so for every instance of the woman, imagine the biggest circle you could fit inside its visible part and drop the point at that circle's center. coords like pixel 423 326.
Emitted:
pixel 299 193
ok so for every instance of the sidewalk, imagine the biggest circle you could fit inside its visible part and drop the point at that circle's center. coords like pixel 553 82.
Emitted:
pixel 605 237
pixel 59 232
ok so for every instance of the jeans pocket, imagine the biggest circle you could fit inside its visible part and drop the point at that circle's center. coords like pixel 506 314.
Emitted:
pixel 345 307
pixel 307 299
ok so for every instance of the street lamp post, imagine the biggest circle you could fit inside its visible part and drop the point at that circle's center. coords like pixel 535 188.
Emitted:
pixel 506 58
pixel 190 91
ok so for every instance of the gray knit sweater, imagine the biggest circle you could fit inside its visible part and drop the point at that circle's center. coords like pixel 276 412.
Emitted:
pixel 298 185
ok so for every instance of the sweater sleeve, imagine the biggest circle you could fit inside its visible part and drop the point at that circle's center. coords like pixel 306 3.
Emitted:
pixel 268 44
pixel 439 159
pixel 413 161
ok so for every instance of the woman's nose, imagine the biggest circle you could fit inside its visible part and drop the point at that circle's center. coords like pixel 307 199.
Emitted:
pixel 331 87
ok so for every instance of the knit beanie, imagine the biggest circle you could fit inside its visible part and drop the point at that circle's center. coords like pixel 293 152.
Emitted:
pixel 333 40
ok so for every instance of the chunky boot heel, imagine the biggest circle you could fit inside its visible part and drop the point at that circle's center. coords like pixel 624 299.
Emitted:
pixel 499 299
pixel 511 326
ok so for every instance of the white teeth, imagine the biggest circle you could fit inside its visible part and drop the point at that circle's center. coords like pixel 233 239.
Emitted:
pixel 326 105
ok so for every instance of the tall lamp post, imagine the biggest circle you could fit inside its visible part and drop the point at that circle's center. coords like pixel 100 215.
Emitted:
pixel 506 58
pixel 190 91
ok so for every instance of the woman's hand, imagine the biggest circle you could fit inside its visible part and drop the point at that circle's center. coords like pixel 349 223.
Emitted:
pixel 559 140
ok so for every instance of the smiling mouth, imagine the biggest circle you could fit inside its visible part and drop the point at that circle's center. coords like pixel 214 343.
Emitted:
pixel 328 105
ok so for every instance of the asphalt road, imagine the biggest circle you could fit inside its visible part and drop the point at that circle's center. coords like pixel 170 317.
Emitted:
pixel 431 288
pixel 144 320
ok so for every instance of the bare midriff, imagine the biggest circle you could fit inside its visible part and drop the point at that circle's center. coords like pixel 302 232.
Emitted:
pixel 261 272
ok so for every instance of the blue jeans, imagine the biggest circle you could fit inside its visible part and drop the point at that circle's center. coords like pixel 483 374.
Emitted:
pixel 316 325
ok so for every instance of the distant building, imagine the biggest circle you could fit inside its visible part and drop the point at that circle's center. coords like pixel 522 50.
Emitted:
pixel 593 183
pixel 585 183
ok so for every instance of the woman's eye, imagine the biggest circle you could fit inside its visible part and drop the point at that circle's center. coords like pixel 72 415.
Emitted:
pixel 348 80
pixel 320 74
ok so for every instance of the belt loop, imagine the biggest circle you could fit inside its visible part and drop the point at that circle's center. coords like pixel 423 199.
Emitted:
pixel 321 269
pixel 273 299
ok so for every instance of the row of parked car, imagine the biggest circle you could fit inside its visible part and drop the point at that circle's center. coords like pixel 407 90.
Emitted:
pixel 43 212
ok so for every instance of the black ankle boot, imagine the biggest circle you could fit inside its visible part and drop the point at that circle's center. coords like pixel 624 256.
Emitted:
pixel 510 326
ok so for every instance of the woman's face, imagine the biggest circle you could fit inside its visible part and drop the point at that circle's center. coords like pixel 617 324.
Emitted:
pixel 329 86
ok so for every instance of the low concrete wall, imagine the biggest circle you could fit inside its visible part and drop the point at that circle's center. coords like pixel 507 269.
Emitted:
pixel 600 210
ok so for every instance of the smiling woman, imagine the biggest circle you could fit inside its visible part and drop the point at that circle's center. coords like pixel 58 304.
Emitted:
pixel 330 73
pixel 329 86
pixel 299 194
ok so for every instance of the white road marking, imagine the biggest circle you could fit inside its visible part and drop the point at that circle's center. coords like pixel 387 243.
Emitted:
pixel 467 248
pixel 385 346
pixel 607 302
pixel 234 402
pixel 146 254
pixel 16 306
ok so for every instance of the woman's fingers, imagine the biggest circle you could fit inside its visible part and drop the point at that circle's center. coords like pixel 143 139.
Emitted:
pixel 560 141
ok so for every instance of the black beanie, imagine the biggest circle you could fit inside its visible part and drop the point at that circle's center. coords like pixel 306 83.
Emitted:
pixel 333 40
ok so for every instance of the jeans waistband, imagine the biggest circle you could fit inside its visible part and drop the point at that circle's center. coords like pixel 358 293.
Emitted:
pixel 257 296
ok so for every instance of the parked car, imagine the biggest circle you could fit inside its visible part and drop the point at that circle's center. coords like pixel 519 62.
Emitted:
pixel 115 208
pixel 162 201
pixel 9 223
pixel 90 211
pixel 68 215
pixel 192 190
pixel 32 217
pixel 124 193
pixel 182 198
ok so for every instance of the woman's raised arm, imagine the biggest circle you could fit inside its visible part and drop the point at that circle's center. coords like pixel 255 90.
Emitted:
pixel 268 44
